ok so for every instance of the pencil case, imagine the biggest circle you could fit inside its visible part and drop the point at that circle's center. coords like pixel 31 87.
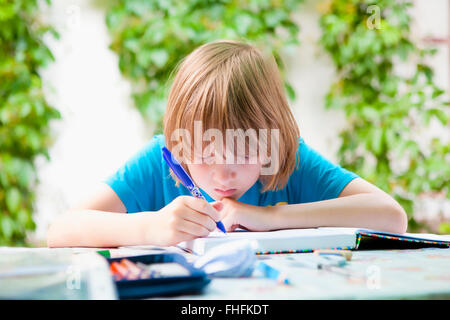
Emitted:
pixel 183 279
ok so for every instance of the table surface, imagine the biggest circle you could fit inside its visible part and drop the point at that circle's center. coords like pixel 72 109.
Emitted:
pixel 374 274
pixel 377 274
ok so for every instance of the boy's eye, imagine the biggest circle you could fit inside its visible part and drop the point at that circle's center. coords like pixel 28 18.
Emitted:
pixel 209 159
pixel 246 158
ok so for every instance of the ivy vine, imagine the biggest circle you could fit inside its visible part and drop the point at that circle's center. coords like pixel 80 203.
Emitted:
pixel 387 112
pixel 151 37
pixel 24 115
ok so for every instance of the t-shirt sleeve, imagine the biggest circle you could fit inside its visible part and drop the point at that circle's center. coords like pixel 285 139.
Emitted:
pixel 317 178
pixel 136 181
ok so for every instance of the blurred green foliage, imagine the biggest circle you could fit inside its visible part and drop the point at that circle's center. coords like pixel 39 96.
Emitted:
pixel 24 115
pixel 388 112
pixel 151 37
pixel 444 228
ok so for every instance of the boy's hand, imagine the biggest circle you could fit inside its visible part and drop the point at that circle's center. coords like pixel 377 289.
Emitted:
pixel 235 214
pixel 185 218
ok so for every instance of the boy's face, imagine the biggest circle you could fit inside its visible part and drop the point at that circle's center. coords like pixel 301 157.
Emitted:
pixel 222 180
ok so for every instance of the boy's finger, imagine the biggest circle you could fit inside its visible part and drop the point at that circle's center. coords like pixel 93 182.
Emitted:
pixel 193 228
pixel 201 219
pixel 202 206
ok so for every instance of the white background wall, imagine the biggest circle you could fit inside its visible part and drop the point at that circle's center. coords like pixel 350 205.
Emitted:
pixel 101 128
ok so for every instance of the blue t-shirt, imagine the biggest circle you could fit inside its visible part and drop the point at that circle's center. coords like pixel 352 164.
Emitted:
pixel 144 182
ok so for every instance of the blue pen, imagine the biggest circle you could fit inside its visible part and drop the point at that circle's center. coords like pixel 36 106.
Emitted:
pixel 179 171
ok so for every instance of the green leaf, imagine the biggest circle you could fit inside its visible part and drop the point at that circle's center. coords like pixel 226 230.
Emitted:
pixel 7 11
pixel 444 228
pixel 132 44
pixel 159 57
pixel 377 140
pixel 243 22
pixel 439 114
pixel 7 226
pixel 274 17
pixel 13 199
pixel 437 93
pixel 290 91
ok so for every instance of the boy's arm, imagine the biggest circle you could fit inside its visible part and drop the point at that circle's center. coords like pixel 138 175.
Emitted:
pixel 360 204
pixel 94 228
pixel 105 199
pixel 98 222
pixel 94 225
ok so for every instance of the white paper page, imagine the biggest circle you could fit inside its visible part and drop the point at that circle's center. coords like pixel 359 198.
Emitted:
pixel 281 240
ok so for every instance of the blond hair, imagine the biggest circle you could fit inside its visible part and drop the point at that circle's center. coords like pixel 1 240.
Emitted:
pixel 233 85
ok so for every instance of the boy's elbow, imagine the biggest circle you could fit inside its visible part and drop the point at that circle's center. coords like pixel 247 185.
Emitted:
pixel 60 232
pixel 53 238
pixel 398 218
pixel 51 243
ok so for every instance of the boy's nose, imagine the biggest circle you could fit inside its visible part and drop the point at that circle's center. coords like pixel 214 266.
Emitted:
pixel 223 174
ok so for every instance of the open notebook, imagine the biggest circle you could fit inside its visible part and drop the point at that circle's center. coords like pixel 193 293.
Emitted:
pixel 304 240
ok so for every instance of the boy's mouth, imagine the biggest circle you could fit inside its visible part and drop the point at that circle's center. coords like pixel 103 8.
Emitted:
pixel 225 193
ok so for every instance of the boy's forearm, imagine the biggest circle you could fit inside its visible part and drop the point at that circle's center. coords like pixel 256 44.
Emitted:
pixel 365 210
pixel 92 228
